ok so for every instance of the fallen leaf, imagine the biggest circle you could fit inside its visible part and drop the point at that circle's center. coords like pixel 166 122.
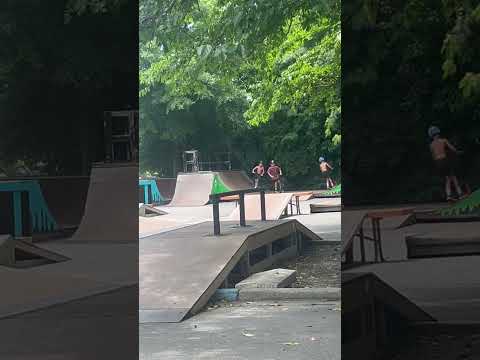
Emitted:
pixel 248 334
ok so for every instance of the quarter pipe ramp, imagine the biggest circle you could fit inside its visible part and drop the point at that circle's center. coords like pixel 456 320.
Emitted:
pixel 235 180
pixel 111 207
pixel 194 189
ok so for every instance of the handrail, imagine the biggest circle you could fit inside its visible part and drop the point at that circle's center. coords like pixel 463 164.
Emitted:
pixel 375 216
pixel 215 199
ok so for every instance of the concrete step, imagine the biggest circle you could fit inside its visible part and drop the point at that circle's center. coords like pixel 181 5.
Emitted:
pixel 276 278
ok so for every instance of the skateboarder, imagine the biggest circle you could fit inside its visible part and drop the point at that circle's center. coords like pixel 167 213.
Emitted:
pixel 325 169
pixel 258 171
pixel 274 171
pixel 440 149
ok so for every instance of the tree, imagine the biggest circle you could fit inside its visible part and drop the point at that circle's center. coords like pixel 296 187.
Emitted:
pixel 256 61
pixel 58 77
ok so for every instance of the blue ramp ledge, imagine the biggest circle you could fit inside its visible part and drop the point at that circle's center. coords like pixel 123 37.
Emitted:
pixel 156 195
pixel 42 219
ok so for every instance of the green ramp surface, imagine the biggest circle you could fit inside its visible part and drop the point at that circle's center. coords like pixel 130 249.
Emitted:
pixel 218 186
pixel 468 206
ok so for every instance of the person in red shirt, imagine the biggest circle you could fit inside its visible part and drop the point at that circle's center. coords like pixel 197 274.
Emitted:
pixel 258 171
pixel 274 171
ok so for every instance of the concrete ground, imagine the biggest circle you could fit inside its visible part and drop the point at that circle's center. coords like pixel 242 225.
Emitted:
pixel 91 270
pixel 178 217
pixel 326 224
pixel 96 328
pixel 249 331
pixel 296 329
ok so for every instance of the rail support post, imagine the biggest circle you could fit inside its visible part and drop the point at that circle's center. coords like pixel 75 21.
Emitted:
pixel 262 205
pixel 242 209
pixel 216 217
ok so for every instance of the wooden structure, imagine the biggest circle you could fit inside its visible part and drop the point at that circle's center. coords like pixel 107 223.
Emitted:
pixel 191 161
pixel 121 136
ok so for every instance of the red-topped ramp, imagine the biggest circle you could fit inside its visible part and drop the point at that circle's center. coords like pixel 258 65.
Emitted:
pixel 110 210
pixel 275 205
pixel 235 180
pixel 194 189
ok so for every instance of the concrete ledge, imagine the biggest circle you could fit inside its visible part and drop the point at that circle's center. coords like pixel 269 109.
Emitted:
pixel 276 278
pixel 435 245
pixel 327 294
pixel 320 208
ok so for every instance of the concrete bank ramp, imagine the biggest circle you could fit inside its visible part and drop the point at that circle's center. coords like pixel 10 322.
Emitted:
pixel 181 270
pixel 110 211
pixel 275 205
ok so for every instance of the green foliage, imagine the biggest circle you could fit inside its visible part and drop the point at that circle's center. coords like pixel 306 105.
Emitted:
pixel 255 62
pixel 408 65
pixel 57 79
pixel 82 7
pixel 461 48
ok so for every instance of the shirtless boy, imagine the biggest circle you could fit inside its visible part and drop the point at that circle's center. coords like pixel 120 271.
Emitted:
pixel 325 169
pixel 439 148
pixel 258 171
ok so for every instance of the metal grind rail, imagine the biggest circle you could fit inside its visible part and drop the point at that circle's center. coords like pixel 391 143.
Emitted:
pixel 375 217
pixel 215 199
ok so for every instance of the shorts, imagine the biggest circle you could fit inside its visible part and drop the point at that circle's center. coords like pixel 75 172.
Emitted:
pixel 445 167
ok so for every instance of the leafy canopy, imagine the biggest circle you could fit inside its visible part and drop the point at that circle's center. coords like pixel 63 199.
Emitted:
pixel 276 55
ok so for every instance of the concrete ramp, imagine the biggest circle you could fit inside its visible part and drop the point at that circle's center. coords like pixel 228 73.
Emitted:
pixel 147 210
pixel 275 205
pixel 34 250
pixel 181 270
pixel 326 205
pixel 110 211
pixel 193 189
pixel 235 180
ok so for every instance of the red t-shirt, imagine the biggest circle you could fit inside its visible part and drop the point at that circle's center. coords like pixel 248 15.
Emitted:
pixel 274 171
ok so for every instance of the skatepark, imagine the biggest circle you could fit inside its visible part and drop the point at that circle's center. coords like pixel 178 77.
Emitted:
pixel 55 267
pixel 424 252
pixel 185 231
pixel 215 234
pixel 68 238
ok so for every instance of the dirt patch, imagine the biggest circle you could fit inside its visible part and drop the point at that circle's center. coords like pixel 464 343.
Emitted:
pixel 317 267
